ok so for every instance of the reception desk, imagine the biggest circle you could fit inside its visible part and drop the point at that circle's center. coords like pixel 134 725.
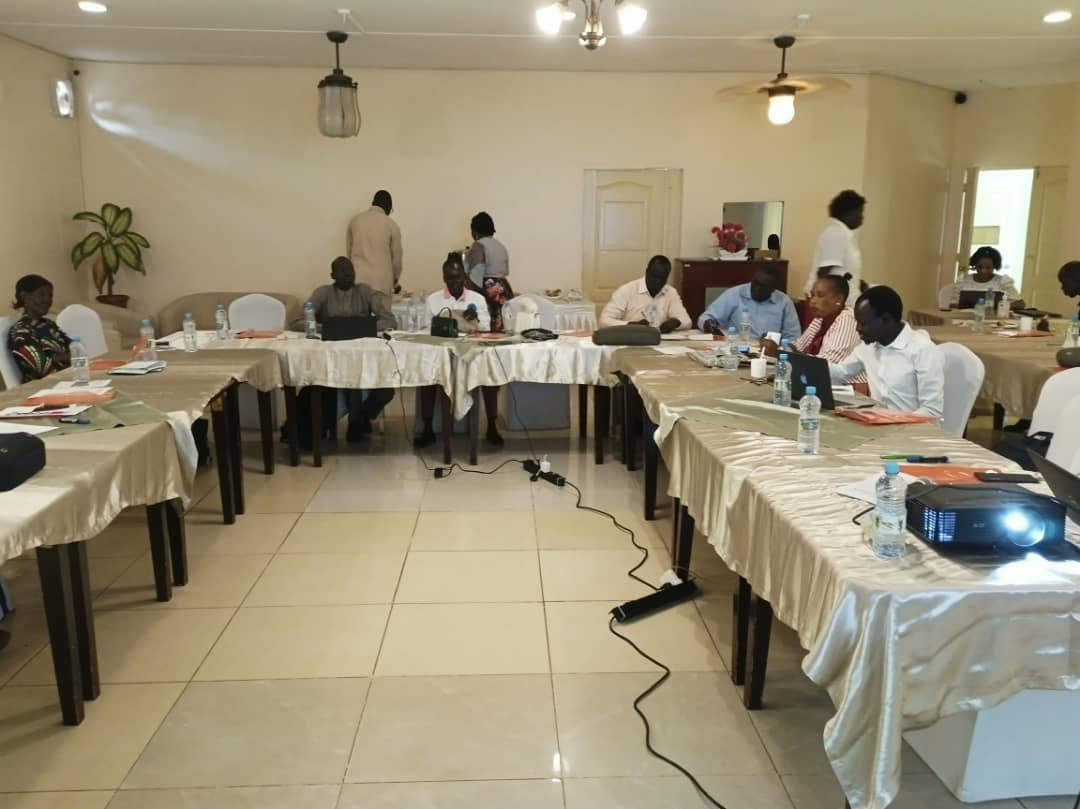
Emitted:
pixel 703 279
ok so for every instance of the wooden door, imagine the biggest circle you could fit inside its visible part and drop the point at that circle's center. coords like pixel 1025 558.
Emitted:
pixel 1046 230
pixel 630 216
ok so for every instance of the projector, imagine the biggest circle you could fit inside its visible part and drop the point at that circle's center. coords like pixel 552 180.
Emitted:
pixel 983 519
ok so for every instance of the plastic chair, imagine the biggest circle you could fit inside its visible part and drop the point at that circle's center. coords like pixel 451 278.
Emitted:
pixel 9 370
pixel 964 373
pixel 546 310
pixel 1065 445
pixel 257 311
pixel 83 322
pixel 1058 390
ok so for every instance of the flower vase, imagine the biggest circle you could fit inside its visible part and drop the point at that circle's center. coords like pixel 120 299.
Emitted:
pixel 728 256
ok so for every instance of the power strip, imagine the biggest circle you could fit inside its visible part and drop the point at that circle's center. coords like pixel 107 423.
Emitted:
pixel 663 598
pixel 536 471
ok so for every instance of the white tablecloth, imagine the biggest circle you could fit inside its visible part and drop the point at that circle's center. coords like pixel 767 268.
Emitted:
pixel 569 316
pixel 898 645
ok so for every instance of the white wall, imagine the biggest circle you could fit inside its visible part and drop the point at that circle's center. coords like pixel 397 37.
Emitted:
pixel 235 188
pixel 40 174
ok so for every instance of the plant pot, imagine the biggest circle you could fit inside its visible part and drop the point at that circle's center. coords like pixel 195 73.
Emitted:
pixel 114 300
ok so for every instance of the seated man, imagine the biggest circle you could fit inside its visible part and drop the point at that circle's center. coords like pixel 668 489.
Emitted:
pixel 904 367
pixel 473 307
pixel 346 298
pixel 648 301
pixel 769 309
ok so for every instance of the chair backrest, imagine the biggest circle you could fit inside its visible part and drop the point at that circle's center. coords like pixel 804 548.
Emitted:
pixel 548 314
pixel 964 373
pixel 1065 445
pixel 1059 389
pixel 83 322
pixel 9 370
pixel 257 311
pixel 203 305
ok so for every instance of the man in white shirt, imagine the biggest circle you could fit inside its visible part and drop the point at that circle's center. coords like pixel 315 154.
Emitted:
pixel 904 367
pixel 455 297
pixel 837 250
pixel 373 242
pixel 648 300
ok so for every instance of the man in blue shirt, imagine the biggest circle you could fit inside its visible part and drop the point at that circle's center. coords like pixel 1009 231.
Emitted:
pixel 769 309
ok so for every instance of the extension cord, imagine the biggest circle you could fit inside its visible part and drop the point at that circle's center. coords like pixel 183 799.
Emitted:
pixel 536 471
pixel 662 599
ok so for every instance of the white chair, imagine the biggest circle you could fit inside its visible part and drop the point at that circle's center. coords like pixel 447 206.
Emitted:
pixel 1059 389
pixel 9 371
pixel 83 322
pixel 964 373
pixel 257 311
pixel 549 315
pixel 1065 445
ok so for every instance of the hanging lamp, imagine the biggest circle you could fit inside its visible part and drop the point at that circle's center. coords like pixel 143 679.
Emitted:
pixel 339 109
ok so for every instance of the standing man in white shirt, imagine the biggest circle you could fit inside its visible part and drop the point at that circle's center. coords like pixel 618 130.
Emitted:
pixel 373 242
pixel 837 250
pixel 904 368
pixel 648 300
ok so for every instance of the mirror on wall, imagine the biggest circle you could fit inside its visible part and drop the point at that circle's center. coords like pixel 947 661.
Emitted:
pixel 760 220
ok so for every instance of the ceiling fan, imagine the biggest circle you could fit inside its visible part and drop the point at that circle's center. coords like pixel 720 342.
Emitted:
pixel 782 90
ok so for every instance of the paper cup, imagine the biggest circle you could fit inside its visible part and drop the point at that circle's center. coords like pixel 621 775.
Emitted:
pixel 1027 323
pixel 758 368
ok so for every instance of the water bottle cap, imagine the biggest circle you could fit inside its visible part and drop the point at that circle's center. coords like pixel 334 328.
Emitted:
pixel 146 321
pixel 221 306
pixel 75 338
pixel 188 314
pixel 892 468
pixel 732 330
pixel 811 390
pixel 784 357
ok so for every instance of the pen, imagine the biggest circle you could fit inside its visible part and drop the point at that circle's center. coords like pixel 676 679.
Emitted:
pixel 916 458
pixel 73 420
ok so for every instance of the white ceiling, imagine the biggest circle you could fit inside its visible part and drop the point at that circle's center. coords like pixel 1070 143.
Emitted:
pixel 959 44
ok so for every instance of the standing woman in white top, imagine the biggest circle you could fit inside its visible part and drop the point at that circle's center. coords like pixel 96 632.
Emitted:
pixel 488 266
pixel 837 251
pixel 983 278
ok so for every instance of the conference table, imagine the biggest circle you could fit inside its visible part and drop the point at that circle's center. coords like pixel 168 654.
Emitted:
pixel 95 471
pixel 898 645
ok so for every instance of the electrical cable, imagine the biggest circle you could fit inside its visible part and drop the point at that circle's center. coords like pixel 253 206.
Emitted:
pixel 1077 804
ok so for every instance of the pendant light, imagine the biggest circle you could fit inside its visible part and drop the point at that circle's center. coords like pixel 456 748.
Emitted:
pixel 550 18
pixel 781 93
pixel 339 110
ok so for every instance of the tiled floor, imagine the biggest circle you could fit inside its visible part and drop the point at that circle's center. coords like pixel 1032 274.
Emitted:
pixel 368 637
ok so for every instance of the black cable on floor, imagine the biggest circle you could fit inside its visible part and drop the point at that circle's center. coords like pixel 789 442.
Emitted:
pixel 632 572
pixel 1077 804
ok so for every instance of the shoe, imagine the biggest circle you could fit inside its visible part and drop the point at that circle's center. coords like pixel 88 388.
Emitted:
pixel 425 439
pixel 358 431
pixel 494 438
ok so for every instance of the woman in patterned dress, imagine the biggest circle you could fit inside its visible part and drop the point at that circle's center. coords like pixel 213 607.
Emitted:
pixel 38 345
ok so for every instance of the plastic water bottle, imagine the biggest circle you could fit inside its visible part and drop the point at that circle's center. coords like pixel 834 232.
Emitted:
pixel 890 516
pixel 412 320
pixel 782 382
pixel 1003 308
pixel 1072 336
pixel 191 334
pixel 980 316
pixel 746 328
pixel 221 322
pixel 311 330
pixel 80 362
pixel 146 334
pixel 654 316
pixel 810 422
pixel 729 359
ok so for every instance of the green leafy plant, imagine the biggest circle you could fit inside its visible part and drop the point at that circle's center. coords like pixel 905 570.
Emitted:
pixel 115 245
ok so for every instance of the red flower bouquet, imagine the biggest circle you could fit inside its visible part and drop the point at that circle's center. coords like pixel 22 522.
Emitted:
pixel 730 237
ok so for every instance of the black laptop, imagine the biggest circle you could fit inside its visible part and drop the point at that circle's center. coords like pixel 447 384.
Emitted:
pixel 970 297
pixel 1064 484
pixel 808 371
pixel 350 328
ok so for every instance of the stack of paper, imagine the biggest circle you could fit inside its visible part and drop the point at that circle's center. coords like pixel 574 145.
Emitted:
pixel 140 368
pixel 42 411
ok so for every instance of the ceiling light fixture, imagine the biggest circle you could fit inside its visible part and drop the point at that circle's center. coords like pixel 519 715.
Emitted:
pixel 90 7
pixel 1055 17
pixel 339 110
pixel 781 94
pixel 631 16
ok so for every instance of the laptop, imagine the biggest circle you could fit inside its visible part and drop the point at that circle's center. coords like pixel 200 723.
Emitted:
pixel 970 297
pixel 807 371
pixel 1064 484
pixel 350 328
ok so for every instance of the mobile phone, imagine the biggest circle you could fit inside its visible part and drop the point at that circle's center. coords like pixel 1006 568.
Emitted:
pixel 1006 477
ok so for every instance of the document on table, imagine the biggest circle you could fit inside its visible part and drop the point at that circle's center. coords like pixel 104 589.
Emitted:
pixel 41 411
pixel 32 429
pixel 673 351
pixel 866 489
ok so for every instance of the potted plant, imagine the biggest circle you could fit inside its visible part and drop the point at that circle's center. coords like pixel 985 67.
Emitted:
pixel 114 245
pixel 731 239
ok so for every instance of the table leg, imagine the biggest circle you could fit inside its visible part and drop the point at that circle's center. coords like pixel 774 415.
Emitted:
pixel 220 418
pixel 447 413
pixel 292 429
pixel 761 617
pixel 618 417
pixel 652 463
pixel 684 546
pixel 81 600
pixel 159 550
pixel 999 417
pixel 54 570
pixel 236 446
pixel 583 411
pixel 631 412
pixel 740 628
pixel 316 425
pixel 266 425
pixel 474 428
pixel 601 419
pixel 177 534
pixel 676 511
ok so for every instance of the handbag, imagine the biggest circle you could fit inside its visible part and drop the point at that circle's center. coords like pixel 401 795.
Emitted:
pixel 444 326
pixel 21 457
pixel 631 334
